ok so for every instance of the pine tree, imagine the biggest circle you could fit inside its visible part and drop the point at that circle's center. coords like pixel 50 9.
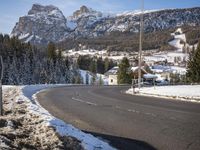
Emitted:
pixel 100 80
pixel 193 65
pixel 86 78
pixel 123 74
pixel 93 67
pixel 51 51
pixel 106 64
pixel 100 65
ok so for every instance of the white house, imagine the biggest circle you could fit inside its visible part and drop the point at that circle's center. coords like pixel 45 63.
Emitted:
pixel 112 79
pixel 112 76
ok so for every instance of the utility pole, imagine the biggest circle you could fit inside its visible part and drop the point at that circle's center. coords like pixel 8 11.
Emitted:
pixel 1 77
pixel 140 44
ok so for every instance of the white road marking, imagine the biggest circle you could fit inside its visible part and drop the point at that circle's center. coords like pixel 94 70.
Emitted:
pixel 172 118
pixel 116 107
pixel 82 101
pixel 151 114
pixel 131 110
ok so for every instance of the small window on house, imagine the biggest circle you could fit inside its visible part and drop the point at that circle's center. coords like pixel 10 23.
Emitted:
pixel 111 80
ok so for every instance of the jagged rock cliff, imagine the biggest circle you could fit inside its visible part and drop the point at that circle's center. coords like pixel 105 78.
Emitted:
pixel 41 25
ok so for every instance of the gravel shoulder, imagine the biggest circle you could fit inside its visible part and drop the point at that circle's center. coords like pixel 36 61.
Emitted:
pixel 20 128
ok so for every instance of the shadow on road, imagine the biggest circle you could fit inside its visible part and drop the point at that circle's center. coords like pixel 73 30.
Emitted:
pixel 123 143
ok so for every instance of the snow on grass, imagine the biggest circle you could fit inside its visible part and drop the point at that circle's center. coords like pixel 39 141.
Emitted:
pixel 176 43
pixel 171 69
pixel 115 57
pixel 88 141
pixel 170 57
pixel 181 92
pixel 83 52
pixel 178 37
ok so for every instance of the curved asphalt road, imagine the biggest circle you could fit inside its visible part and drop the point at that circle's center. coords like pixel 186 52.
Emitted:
pixel 126 121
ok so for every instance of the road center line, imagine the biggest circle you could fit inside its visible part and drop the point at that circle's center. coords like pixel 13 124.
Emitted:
pixel 82 101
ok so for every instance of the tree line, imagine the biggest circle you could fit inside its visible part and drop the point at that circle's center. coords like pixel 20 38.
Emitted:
pixel 123 41
pixel 95 64
pixel 26 64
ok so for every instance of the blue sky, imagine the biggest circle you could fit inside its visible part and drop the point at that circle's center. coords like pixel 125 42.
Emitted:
pixel 11 10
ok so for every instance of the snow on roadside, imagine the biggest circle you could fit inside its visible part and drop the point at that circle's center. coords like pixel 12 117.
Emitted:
pixel 180 92
pixel 89 142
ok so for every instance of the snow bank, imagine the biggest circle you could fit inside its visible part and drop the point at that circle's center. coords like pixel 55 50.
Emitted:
pixel 180 92
pixel 89 142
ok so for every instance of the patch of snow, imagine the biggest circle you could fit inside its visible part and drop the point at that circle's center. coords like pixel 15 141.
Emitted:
pixel 120 27
pixel 88 141
pixel 86 76
pixel 135 12
pixel 178 37
pixel 56 13
pixel 103 78
pixel 179 70
pixel 23 36
pixel 83 52
pixel 176 43
pixel 115 57
pixel 159 78
pixel 171 69
pixel 170 57
pixel 179 30
pixel 29 39
pixel 71 24
pixel 181 92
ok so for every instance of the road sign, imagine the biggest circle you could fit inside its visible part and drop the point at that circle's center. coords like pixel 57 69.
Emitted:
pixel 1 77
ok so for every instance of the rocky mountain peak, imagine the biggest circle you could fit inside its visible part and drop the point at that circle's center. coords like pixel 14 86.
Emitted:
pixel 37 8
pixel 41 25
pixel 84 10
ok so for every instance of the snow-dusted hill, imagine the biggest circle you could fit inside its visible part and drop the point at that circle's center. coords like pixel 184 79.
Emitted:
pixel 47 23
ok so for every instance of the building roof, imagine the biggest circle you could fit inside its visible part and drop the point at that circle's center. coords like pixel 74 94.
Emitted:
pixel 150 76
pixel 134 69
pixel 112 71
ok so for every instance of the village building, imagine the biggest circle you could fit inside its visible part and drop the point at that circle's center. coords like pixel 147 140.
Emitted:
pixel 112 76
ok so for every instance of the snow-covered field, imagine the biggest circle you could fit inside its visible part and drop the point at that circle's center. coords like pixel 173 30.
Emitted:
pixel 179 92
pixel 26 95
pixel 83 52
pixel 171 56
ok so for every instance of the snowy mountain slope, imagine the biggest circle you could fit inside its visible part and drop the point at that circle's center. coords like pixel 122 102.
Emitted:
pixel 179 37
pixel 47 23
